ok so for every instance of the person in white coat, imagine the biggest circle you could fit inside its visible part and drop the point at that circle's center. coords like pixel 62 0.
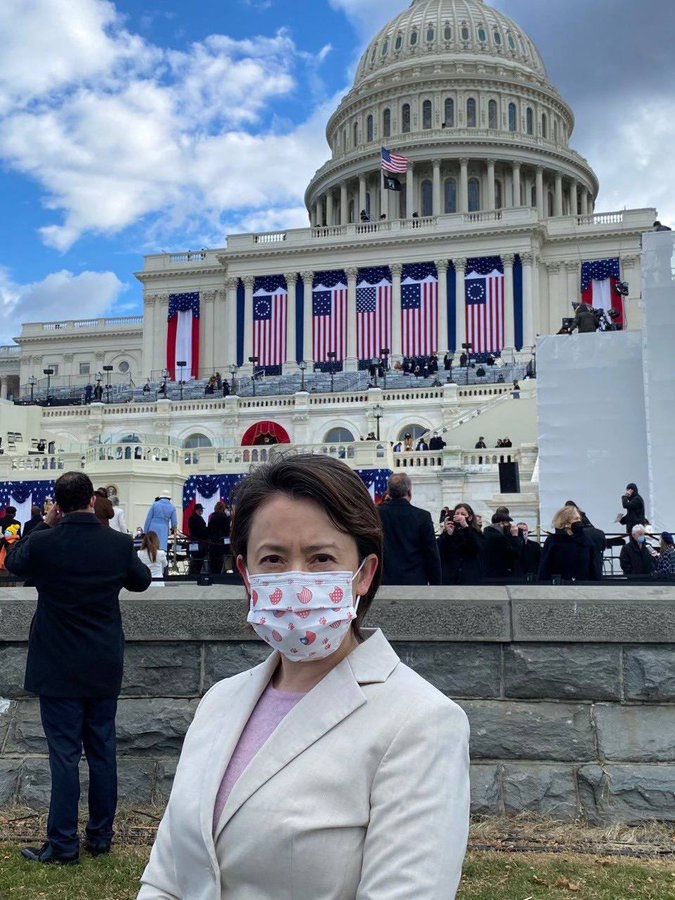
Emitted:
pixel 118 522
pixel 331 771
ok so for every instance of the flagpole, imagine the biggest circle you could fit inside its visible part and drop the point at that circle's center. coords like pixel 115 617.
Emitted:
pixel 384 194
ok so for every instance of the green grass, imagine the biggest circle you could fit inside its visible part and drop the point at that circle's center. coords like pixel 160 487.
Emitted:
pixel 487 876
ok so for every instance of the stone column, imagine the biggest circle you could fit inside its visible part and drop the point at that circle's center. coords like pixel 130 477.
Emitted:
pixel 312 216
pixel 248 318
pixel 329 209
pixel 384 198
pixel 362 195
pixel 574 200
pixel 231 285
pixel 442 266
pixel 410 191
pixel 632 313
pixel 149 325
pixel 291 364
pixel 460 306
pixel 307 344
pixel 540 191
pixel 584 202
pixel 509 306
pixel 350 364
pixel 573 285
pixel 491 200
pixel 396 340
pixel 207 360
pixel 436 187
pixel 159 344
pixel 3 388
pixel 344 204
pixel 464 185
pixel 516 184
pixel 558 209
pixel 550 325
pixel 528 299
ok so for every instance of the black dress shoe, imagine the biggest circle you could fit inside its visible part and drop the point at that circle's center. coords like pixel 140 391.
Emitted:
pixel 47 854
pixel 97 848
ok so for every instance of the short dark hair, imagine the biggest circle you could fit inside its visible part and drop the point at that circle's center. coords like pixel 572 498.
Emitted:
pixel 399 486
pixel 10 511
pixel 73 491
pixel 329 483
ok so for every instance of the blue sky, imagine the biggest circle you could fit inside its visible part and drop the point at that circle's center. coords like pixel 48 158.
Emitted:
pixel 130 127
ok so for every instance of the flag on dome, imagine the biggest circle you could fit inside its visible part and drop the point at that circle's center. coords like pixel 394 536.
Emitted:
pixel 393 162
pixel 484 293
pixel 182 334
pixel 373 312
pixel 419 309
pixel 599 279
pixel 270 316
pixel 329 316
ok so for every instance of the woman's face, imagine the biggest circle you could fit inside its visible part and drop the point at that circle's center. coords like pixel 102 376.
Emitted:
pixel 296 535
pixel 463 511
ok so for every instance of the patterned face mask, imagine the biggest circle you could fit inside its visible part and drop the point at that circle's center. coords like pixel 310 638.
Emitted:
pixel 304 615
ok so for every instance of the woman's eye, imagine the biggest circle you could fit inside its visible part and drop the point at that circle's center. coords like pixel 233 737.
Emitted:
pixel 323 558
pixel 270 560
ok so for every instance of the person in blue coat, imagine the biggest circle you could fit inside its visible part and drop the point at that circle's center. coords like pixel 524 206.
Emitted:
pixel 161 518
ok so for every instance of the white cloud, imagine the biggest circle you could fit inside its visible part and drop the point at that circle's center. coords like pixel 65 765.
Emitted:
pixel 368 16
pixel 60 295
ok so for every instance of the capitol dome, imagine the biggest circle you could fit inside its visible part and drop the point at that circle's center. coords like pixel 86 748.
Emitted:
pixel 465 29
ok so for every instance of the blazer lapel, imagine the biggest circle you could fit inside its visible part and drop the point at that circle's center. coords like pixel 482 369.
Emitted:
pixel 326 705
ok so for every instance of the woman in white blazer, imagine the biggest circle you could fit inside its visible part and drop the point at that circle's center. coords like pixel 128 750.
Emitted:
pixel 331 771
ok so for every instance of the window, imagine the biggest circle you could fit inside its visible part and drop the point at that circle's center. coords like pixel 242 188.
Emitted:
pixel 355 134
pixel 370 130
pixel 415 432
pixel 351 210
pixel 413 38
pixel 492 114
pixel 499 200
pixel 338 436
pixel 471 113
pixel 368 203
pixel 373 54
pixel 497 38
pixel 512 117
pixel 405 118
pixel 474 195
pixel 385 48
pixel 196 440
pixel 449 112
pixel 512 42
pixel 399 42
pixel 85 368
pixel 450 195
pixel 544 125
pixel 555 130
pixel 426 114
pixel 430 33
pixel 529 118
pixel 54 367
pixel 550 204
pixel 386 123
pixel 447 32
pixel 124 367
pixel 344 140
pixel 482 34
pixel 427 198
pixel 464 33
pixel 533 197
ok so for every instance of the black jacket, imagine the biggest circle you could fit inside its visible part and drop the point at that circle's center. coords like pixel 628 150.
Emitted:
pixel 30 525
pixel 219 527
pixel 461 556
pixel 76 642
pixel 567 555
pixel 530 557
pixel 501 552
pixel 410 550
pixel 635 511
pixel 635 559
pixel 198 531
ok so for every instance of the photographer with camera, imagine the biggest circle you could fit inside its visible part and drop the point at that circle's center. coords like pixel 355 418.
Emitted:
pixel 501 547
pixel 634 505
pixel 585 319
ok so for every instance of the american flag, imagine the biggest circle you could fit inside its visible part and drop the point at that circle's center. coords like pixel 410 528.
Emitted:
pixel 22 495
pixel 598 285
pixel 329 317
pixel 419 309
pixel 484 290
pixel 270 316
pixel 373 312
pixel 393 162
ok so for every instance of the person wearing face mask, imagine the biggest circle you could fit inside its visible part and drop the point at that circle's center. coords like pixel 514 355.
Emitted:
pixel 530 553
pixel 567 553
pixel 330 770
pixel 636 557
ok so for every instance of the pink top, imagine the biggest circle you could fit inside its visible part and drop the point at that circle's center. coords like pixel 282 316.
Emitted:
pixel 270 709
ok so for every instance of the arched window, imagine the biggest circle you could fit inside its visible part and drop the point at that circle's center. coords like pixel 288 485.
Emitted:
pixel 544 125
pixel 385 48
pixel 413 37
pixel 550 203
pixel 447 32
pixel 529 120
pixel 511 40
pixel 338 436
pixel 430 33
pixel 533 197
pixel 426 114
pixel 197 440
pixel 482 34
pixel 405 118
pixel 386 123
pixel 471 113
pixel 496 34
pixel 474 195
pixel 464 33
pixel 369 129
pixel 512 117
pixel 399 42
pixel 427 198
pixel 450 195
pixel 415 431
pixel 449 112
pixel 499 198
pixel 492 114
pixel 356 134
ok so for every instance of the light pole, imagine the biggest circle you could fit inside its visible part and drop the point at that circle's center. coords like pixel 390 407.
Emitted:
pixel 253 360
pixel 467 347
pixel 48 373
pixel 107 370
pixel 233 373
pixel 32 381
pixel 331 358
pixel 181 363
pixel 384 356
pixel 302 366
pixel 378 413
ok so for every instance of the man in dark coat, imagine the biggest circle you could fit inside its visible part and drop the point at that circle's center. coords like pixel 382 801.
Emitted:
pixel 410 550
pixel 530 552
pixel 35 519
pixel 501 547
pixel 199 534
pixel 634 505
pixel 595 537
pixel 76 656
pixel 584 320
pixel 635 557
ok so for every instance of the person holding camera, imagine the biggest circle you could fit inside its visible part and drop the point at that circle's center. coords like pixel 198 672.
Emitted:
pixel 501 547
pixel 634 505
pixel 460 547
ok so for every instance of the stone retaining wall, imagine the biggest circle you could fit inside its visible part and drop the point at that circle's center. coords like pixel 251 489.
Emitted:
pixel 570 690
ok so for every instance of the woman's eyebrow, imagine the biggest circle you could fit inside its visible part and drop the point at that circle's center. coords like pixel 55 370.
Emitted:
pixel 310 548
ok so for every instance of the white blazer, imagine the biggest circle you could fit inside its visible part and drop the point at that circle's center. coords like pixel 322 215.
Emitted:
pixel 361 793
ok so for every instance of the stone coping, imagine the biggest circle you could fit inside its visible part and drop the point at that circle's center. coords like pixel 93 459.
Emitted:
pixel 627 614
